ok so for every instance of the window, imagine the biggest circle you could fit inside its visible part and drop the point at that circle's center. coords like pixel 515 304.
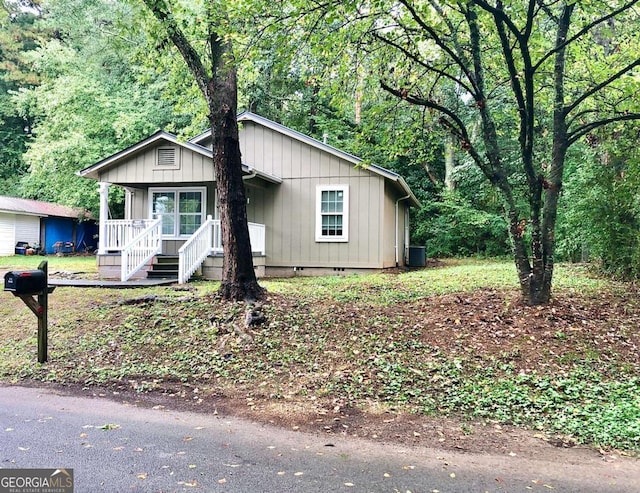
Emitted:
pixel 182 209
pixel 332 213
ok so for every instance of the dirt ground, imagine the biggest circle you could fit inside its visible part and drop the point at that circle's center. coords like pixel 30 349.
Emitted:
pixel 483 322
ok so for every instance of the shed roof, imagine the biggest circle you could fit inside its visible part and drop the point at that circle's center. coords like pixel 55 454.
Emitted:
pixel 17 205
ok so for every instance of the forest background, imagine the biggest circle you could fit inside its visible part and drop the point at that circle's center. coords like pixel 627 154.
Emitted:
pixel 82 79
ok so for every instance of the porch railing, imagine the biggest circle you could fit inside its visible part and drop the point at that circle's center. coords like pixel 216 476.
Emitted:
pixel 196 249
pixel 141 249
pixel 257 236
pixel 120 232
pixel 208 240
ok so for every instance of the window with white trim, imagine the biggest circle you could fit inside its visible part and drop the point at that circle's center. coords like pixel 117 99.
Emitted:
pixel 332 213
pixel 182 209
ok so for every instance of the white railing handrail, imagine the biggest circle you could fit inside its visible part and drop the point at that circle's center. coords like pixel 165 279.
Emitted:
pixel 195 250
pixel 141 249
pixel 120 232
pixel 207 240
pixel 257 237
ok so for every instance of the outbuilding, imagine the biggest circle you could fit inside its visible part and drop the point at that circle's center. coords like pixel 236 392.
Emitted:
pixel 43 226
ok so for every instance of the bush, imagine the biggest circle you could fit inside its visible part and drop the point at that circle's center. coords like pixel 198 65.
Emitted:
pixel 453 227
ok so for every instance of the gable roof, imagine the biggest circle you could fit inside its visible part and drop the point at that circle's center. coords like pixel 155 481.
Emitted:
pixel 15 205
pixel 294 134
pixel 162 136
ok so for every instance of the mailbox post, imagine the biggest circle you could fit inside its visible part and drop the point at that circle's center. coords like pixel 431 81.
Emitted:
pixel 27 284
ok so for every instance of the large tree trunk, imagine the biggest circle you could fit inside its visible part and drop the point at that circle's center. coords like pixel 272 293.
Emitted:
pixel 220 90
pixel 238 276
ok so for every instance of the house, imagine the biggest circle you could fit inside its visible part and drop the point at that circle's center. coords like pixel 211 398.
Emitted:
pixel 51 227
pixel 312 209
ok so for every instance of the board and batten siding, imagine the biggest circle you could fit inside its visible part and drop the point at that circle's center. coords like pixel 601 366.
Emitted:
pixel 142 168
pixel 396 236
pixel 290 207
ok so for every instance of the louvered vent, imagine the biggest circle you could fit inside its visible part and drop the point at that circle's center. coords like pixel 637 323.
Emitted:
pixel 167 157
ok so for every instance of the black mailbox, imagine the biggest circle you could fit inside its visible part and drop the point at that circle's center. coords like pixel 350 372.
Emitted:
pixel 25 282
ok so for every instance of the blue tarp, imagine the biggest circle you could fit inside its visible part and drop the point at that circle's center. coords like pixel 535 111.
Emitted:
pixel 57 230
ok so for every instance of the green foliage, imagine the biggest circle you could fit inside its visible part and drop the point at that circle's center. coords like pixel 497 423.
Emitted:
pixel 92 100
pixel 454 227
pixel 601 220
pixel 19 34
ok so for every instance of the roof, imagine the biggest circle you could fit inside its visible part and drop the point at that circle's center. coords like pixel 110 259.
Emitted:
pixel 162 136
pixel 17 205
pixel 294 134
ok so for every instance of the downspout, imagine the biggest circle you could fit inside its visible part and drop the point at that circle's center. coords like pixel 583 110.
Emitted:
pixel 252 174
pixel 396 239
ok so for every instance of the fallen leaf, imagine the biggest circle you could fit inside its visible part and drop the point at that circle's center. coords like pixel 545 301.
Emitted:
pixel 109 426
pixel 188 483
pixel 187 439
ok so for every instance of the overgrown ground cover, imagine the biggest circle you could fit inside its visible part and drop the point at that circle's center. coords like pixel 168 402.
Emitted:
pixel 451 341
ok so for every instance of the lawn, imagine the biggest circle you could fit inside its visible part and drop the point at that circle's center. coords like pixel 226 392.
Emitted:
pixel 71 263
pixel 451 341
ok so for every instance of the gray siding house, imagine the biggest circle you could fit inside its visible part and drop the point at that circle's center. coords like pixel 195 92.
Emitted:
pixel 312 208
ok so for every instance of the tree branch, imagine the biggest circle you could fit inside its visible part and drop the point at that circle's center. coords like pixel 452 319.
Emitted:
pixel 161 12
pixel 602 85
pixel 420 62
pixel 440 42
pixel 582 32
pixel 581 131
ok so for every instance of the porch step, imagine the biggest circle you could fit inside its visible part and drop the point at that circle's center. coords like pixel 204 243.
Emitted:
pixel 164 267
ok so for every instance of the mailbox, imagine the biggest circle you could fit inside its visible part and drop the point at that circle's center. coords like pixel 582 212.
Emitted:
pixel 25 282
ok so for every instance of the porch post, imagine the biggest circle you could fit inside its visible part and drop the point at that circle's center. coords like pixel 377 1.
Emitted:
pixel 128 203
pixel 104 217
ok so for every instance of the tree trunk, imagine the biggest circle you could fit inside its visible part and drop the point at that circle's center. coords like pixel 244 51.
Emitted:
pixel 238 276
pixel 220 90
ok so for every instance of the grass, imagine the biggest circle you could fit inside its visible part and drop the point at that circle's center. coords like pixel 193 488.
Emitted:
pixel 75 263
pixel 444 341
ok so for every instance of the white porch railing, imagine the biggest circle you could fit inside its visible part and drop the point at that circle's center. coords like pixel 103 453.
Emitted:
pixel 141 249
pixel 207 240
pixel 120 232
pixel 196 249
pixel 257 236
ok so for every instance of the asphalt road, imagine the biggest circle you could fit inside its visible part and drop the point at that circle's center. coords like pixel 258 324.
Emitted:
pixel 114 448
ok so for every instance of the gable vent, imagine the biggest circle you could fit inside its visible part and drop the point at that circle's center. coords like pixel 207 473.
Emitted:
pixel 166 156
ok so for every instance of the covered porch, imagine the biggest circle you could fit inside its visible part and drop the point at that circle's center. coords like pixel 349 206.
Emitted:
pixel 176 230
